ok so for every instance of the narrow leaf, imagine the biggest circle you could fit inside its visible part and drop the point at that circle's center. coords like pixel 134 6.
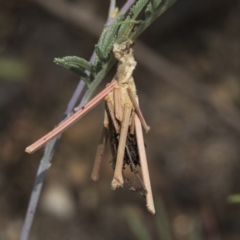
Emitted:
pixel 126 28
pixel 148 11
pixel 111 35
pixel 138 7
pixel 80 73
pixel 74 60
pixel 99 53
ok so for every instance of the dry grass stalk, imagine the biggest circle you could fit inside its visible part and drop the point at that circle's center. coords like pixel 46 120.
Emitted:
pixel 144 165
pixel 117 94
pixel 99 156
pixel 71 120
pixel 138 110
pixel 110 110
pixel 123 110
pixel 118 177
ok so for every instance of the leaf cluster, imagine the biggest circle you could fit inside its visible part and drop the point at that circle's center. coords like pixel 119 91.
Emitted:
pixel 126 26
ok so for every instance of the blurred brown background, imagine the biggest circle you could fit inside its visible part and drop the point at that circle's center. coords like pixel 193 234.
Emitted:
pixel 188 83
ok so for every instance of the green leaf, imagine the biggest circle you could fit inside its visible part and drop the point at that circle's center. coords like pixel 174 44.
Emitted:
pixel 126 28
pixel 151 8
pixel 98 62
pixel 98 65
pixel 69 60
pixel 111 35
pixel 99 53
pixel 156 3
pixel 105 43
pixel 170 2
pixel 153 4
pixel 75 69
pixel 138 7
pixel 102 39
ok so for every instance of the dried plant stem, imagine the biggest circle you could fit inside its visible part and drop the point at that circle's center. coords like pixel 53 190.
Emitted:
pixel 118 178
pixel 106 120
pixel 117 94
pixel 99 155
pixel 71 120
pixel 138 110
pixel 144 165
pixel 110 110
pixel 132 126
pixel 50 148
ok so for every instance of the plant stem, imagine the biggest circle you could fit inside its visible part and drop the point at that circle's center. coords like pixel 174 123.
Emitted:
pixel 161 9
pixel 50 148
pixel 71 120
pixel 144 165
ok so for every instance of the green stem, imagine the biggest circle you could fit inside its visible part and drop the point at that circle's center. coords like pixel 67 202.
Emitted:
pixel 98 79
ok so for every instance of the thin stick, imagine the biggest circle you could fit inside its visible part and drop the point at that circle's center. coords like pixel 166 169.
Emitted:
pixel 111 113
pixel 105 120
pixel 99 155
pixel 144 165
pixel 118 178
pixel 71 120
pixel 117 95
pixel 132 126
pixel 138 110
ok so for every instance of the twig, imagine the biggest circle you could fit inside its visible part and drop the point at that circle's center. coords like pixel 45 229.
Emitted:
pixel 118 178
pixel 144 165
pixel 71 120
pixel 117 94
pixel 109 108
pixel 49 150
pixel 138 110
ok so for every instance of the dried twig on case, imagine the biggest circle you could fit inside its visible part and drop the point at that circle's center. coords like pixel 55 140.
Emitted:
pixel 144 165
pixel 71 120
pixel 122 125
pixel 127 145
